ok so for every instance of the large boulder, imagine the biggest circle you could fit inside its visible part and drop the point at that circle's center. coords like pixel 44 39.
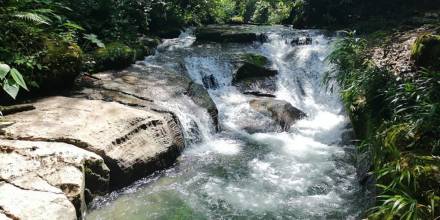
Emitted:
pixel 228 34
pixel 426 51
pixel 133 142
pixel 147 87
pixel 56 172
pixel 282 112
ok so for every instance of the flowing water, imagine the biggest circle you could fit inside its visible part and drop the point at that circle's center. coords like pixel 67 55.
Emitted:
pixel 305 173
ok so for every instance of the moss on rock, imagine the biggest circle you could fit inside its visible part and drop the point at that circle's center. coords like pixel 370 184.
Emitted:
pixel 253 66
pixel 63 62
pixel 255 59
pixel 115 55
pixel 145 46
pixel 426 51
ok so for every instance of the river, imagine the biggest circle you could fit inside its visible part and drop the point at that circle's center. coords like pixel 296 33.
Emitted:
pixel 305 173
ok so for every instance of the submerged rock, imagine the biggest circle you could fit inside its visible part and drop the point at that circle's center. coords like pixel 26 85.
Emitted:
pixel 210 82
pixel 34 169
pixel 282 112
pixel 228 34
pixel 301 41
pixel 133 143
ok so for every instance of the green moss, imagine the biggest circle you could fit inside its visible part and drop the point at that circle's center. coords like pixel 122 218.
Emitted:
pixel 256 59
pixel 63 62
pixel 115 55
pixel 426 51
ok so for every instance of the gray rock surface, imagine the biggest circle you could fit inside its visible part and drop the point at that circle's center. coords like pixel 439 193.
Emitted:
pixel 132 142
pixel 19 203
pixel 145 87
pixel 62 171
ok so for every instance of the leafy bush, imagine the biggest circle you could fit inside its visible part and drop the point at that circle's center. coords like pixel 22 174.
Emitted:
pixel 62 62
pixel 115 55
pixel 398 119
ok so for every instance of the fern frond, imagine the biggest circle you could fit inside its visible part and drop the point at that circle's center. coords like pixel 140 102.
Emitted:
pixel 32 17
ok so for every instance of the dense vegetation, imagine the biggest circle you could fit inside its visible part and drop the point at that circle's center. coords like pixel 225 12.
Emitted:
pixel 49 42
pixel 398 119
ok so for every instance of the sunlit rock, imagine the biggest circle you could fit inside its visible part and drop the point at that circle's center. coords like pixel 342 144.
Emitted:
pixel 49 168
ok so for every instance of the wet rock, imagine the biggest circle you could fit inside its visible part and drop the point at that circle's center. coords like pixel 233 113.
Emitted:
pixel 253 72
pixel 348 137
pixel 210 82
pixel 301 41
pixel 228 34
pixel 133 143
pixel 60 170
pixel 282 112
pixel 144 87
pixel 201 97
pixel 251 66
pixel 259 94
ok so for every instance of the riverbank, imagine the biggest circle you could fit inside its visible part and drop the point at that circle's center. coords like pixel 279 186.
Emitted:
pixel 390 83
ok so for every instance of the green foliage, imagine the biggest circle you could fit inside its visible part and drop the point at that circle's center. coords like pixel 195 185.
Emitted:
pixel 261 14
pixel 11 80
pixel 115 55
pixel 340 13
pixel 398 119
pixel 94 40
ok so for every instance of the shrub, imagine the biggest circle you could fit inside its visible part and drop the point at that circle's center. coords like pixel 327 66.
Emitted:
pixel 62 63
pixel 115 55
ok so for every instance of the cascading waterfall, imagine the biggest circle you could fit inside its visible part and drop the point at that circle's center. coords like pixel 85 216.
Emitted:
pixel 305 173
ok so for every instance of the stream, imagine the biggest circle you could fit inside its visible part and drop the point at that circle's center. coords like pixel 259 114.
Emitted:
pixel 305 173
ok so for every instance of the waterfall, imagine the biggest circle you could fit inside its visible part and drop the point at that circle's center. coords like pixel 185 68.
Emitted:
pixel 303 173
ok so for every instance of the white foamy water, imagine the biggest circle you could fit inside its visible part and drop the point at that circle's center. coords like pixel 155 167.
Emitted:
pixel 304 173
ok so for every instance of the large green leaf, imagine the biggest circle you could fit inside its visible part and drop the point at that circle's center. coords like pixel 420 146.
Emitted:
pixel 11 87
pixel 4 70
pixel 18 78
pixel 94 39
